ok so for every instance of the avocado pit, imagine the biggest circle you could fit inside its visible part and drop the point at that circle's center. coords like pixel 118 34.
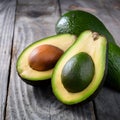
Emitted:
pixel 44 57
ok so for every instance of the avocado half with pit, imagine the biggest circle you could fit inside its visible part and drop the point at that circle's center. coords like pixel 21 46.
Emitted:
pixel 80 72
pixel 36 62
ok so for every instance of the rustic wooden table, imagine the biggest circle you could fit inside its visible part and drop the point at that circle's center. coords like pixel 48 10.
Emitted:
pixel 25 21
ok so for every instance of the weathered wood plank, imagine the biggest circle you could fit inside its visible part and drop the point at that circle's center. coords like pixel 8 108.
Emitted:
pixel 113 22
pixel 107 102
pixel 35 20
pixel 7 17
pixel 107 105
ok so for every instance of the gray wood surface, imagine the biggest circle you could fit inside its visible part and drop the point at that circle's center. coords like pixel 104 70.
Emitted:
pixel 25 21
pixel 7 17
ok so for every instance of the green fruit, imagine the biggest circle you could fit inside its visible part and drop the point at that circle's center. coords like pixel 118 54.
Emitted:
pixel 78 72
pixel 36 62
pixel 113 78
pixel 77 21
pixel 94 47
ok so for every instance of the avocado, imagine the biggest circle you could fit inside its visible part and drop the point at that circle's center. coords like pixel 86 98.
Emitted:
pixel 77 21
pixel 113 77
pixel 91 48
pixel 36 62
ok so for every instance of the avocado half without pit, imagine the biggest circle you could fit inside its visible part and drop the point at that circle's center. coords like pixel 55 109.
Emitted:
pixel 36 62
pixel 80 72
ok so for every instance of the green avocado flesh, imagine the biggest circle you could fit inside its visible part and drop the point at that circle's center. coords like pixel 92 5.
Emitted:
pixel 76 21
pixel 78 72
pixel 24 70
pixel 96 48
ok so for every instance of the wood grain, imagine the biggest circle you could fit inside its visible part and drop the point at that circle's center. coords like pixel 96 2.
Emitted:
pixel 107 104
pixel 34 20
pixel 7 17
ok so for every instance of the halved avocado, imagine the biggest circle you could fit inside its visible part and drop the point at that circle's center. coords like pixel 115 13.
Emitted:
pixel 94 47
pixel 32 76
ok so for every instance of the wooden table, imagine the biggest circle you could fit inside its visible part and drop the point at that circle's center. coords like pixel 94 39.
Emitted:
pixel 25 21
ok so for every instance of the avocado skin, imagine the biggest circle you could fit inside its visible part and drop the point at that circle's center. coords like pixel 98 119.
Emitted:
pixel 36 83
pixel 113 77
pixel 77 21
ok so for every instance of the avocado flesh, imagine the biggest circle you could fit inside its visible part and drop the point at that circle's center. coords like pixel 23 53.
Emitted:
pixel 78 72
pixel 63 42
pixel 97 50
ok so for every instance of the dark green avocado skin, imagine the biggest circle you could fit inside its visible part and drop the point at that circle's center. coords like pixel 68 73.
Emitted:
pixel 37 82
pixel 77 21
pixel 113 77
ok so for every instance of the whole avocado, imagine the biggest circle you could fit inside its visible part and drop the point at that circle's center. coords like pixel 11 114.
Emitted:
pixel 77 21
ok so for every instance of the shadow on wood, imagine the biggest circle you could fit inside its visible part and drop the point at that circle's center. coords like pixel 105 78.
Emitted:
pixel 57 110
